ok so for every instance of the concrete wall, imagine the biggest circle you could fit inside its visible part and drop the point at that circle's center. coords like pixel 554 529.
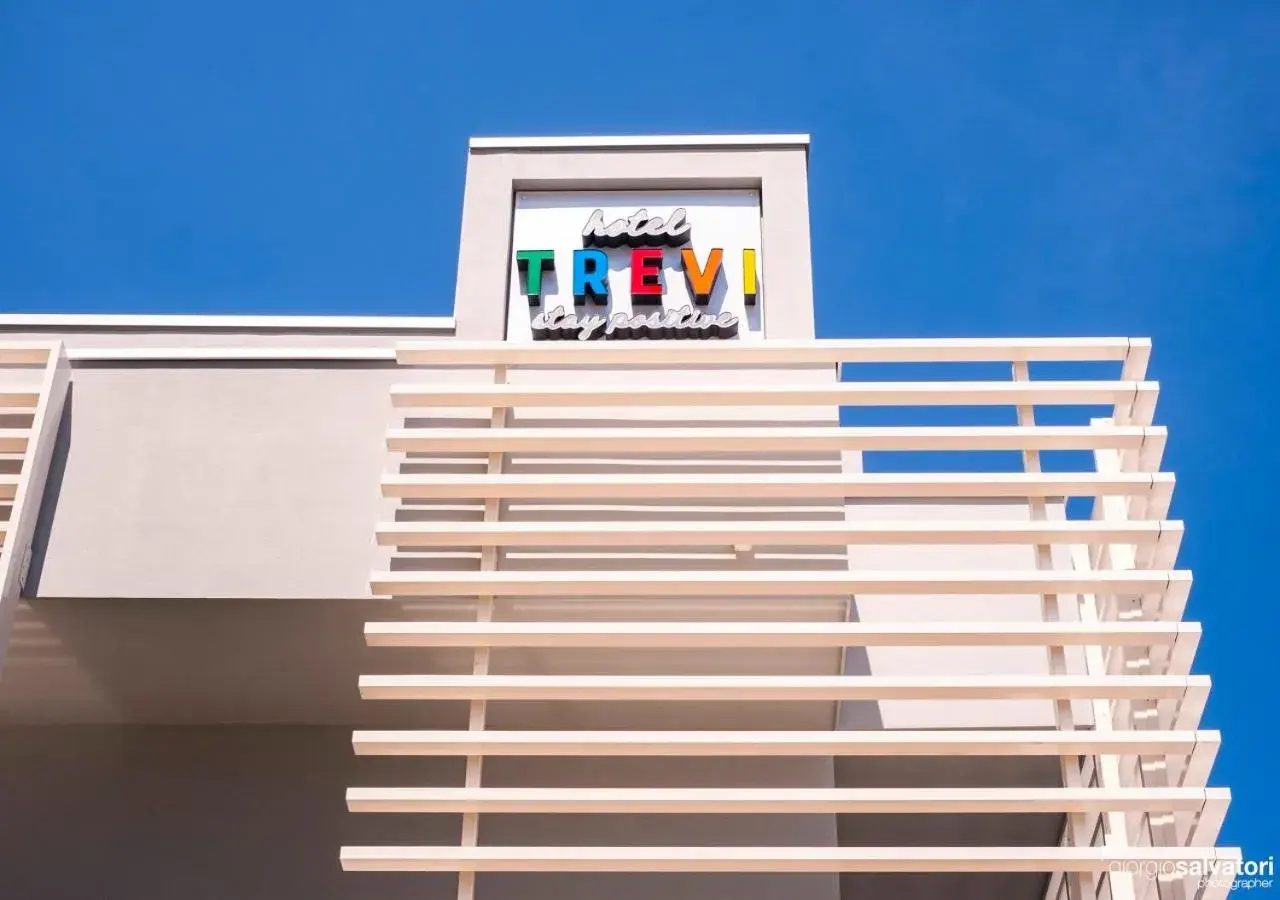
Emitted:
pixel 1040 830
pixel 211 457
pixel 198 813
pixel 257 813
pixel 495 174
pixel 957 661
pixel 203 557
pixel 238 486
pixel 236 813
pixel 214 482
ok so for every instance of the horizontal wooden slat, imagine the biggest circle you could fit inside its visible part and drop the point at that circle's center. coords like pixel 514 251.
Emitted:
pixel 8 487
pixel 19 399
pixel 13 440
pixel 763 486
pixel 24 354
pixel 1025 742
pixel 760 859
pixel 778 687
pixel 902 393
pixel 772 352
pixel 770 634
pixel 737 583
pixel 769 439
pixel 648 534
pixel 777 800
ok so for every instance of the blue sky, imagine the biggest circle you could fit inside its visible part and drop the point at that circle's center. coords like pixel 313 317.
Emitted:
pixel 977 169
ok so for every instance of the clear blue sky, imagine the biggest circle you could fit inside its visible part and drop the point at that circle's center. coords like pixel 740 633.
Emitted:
pixel 977 169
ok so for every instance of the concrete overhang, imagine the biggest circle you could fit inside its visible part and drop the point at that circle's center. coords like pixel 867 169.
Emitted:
pixel 661 142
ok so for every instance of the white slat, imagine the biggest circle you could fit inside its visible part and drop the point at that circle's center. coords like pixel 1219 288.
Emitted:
pixel 763 486
pixel 808 583
pixel 770 634
pixel 627 534
pixel 772 352
pixel 867 393
pixel 770 439
pixel 758 859
pixel 939 742
pixel 776 800
pixel 778 687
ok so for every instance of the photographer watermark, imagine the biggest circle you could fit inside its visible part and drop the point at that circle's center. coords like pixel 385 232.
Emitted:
pixel 1237 874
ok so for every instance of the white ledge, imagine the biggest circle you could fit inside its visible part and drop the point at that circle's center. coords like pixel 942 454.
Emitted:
pixel 230 354
pixel 76 321
pixel 641 141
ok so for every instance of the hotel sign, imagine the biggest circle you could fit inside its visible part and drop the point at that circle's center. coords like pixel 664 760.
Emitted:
pixel 622 276
pixel 638 230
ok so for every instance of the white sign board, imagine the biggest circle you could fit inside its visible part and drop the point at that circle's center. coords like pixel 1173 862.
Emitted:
pixel 628 265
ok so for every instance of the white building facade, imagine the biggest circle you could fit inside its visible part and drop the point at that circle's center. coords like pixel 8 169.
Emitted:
pixel 617 581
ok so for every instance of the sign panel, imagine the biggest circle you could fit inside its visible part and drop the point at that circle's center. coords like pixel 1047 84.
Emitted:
pixel 636 265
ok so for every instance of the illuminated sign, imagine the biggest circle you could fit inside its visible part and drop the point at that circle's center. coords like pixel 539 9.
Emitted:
pixel 648 237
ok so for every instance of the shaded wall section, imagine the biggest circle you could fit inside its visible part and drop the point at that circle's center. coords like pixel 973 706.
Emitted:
pixel 258 813
pixel 155 813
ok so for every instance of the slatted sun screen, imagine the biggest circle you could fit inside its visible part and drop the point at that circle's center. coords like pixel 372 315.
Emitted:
pixel 616 534
pixel 33 387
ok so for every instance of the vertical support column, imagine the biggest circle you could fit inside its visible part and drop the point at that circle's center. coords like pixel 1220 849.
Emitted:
pixel 1154 772
pixel 1134 369
pixel 1108 768
pixel 480 660
pixel 1077 832
pixel 24 509
pixel 846 467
